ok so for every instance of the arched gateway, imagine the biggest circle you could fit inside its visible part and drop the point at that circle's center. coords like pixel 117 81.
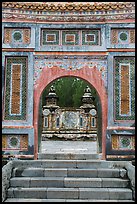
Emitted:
pixel 42 42
pixel 93 76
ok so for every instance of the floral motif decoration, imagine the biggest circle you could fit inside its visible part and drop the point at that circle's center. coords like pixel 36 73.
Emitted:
pixel 14 142
pixel 123 142
pixel 70 63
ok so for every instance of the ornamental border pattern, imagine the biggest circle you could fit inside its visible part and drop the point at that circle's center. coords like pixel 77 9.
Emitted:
pixel 69 12
pixel 23 61
pixel 117 61
pixel 70 63
pixel 75 18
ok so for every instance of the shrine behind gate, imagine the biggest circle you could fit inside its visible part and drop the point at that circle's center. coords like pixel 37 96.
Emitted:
pixel 69 122
pixel 40 45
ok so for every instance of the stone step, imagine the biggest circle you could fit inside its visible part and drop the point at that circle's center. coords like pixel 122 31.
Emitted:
pixel 73 156
pixel 61 200
pixel 68 172
pixel 68 182
pixel 51 163
pixel 71 193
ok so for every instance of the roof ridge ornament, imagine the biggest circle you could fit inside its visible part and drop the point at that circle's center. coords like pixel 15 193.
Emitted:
pixel 68 6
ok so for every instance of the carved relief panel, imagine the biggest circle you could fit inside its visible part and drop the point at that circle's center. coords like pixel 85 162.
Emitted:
pixel 69 123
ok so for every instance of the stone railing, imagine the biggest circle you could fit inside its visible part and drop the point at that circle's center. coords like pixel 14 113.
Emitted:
pixel 130 168
pixel 6 175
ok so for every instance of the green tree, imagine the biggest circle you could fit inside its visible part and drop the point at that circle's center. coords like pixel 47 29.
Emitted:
pixel 69 90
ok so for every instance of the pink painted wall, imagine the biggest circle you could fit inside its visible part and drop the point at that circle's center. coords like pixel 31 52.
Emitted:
pixel 93 76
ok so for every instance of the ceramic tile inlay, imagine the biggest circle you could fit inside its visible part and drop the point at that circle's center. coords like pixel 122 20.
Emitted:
pixel 16 88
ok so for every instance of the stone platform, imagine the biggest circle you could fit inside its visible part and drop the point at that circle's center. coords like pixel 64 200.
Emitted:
pixel 51 146
pixel 51 149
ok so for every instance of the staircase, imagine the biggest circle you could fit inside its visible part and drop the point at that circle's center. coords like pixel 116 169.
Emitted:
pixel 68 178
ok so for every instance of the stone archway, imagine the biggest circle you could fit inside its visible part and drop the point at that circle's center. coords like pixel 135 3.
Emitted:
pixel 92 76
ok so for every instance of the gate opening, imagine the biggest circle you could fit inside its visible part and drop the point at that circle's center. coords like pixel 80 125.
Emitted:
pixel 70 110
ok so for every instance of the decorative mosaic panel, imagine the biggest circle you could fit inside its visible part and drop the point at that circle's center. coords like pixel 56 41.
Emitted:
pixel 91 37
pixel 122 36
pixel 125 89
pixel 50 37
pixel 15 99
pixel 15 142
pixel 71 63
pixel 69 123
pixel 120 142
pixel 70 119
pixel 70 37
pixel 114 141
pixel 132 36
pixel 124 106
pixel 17 36
pixel 16 88
pixel 26 36
pixel 7 35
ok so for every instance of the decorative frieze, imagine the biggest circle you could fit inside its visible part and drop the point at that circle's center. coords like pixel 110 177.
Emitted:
pixel 73 18
pixel 70 63
pixel 16 88
pixel 70 37
pixel 68 11
pixel 69 6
